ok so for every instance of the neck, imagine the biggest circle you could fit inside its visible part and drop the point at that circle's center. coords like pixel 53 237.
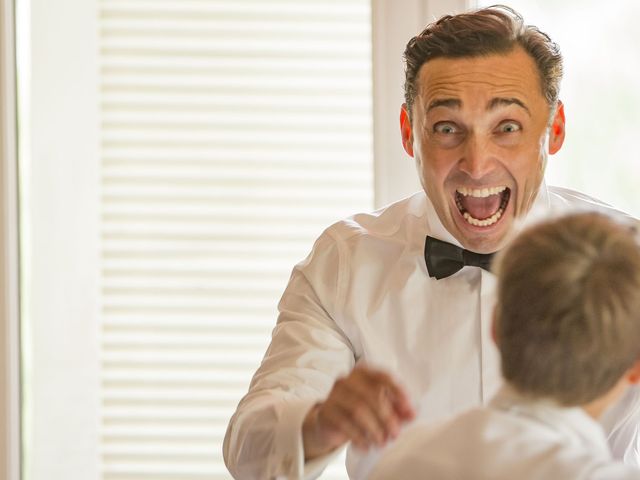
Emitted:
pixel 597 407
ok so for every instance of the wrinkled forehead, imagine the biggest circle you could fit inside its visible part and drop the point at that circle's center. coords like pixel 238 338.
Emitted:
pixel 482 78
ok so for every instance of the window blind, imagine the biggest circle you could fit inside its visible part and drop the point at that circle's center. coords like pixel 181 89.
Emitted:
pixel 232 133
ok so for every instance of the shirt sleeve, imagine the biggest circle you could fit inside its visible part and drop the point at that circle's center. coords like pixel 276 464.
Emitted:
pixel 622 425
pixel 308 351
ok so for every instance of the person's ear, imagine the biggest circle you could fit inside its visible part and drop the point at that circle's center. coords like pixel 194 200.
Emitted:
pixel 406 130
pixel 557 130
pixel 633 374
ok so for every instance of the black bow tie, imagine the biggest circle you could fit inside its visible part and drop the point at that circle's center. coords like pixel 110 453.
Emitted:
pixel 444 259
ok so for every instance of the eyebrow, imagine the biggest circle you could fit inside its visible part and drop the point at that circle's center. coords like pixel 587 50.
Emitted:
pixel 445 102
pixel 499 102
pixel 492 105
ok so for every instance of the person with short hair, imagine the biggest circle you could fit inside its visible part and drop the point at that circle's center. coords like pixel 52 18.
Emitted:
pixel 389 317
pixel 567 325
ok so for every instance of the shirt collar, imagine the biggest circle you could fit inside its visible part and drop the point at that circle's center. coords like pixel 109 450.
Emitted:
pixel 574 421
pixel 435 227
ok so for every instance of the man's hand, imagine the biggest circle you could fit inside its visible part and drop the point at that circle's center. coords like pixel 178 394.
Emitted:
pixel 366 407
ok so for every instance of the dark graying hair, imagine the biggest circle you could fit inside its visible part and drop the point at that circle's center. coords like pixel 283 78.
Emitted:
pixel 493 30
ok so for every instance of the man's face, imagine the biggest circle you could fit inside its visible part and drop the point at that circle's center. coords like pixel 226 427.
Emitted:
pixel 479 135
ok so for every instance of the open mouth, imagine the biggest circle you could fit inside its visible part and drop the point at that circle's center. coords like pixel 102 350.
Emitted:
pixel 482 207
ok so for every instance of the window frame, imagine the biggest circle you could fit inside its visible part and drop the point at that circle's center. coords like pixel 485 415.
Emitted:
pixel 10 434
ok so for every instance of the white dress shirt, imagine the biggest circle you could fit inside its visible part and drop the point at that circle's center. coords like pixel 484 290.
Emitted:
pixel 511 438
pixel 364 294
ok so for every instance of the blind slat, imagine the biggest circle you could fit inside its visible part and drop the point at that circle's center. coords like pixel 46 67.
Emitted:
pixel 233 133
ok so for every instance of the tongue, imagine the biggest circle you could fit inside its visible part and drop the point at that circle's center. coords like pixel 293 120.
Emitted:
pixel 481 208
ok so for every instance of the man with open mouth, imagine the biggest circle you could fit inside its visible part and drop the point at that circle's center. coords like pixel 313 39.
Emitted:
pixel 389 316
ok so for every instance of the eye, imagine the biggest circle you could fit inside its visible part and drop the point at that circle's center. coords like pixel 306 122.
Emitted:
pixel 509 127
pixel 446 128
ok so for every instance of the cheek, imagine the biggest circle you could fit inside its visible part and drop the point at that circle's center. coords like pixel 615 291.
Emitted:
pixel 526 160
pixel 528 173
pixel 436 164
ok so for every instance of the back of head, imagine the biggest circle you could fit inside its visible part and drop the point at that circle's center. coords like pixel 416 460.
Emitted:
pixel 493 30
pixel 568 311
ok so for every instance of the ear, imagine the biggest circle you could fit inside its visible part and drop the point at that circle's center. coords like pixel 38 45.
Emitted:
pixel 633 374
pixel 406 130
pixel 557 130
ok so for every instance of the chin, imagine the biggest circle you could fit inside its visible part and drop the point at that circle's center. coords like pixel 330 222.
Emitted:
pixel 485 243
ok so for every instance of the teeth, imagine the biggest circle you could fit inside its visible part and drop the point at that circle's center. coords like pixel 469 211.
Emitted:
pixel 486 222
pixel 480 192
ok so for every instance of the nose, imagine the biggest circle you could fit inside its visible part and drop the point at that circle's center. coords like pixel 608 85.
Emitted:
pixel 477 159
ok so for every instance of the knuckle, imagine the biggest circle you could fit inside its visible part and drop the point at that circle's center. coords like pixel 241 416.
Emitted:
pixel 359 411
pixel 381 390
pixel 383 378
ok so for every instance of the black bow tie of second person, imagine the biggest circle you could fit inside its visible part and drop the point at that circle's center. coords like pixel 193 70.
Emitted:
pixel 444 259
